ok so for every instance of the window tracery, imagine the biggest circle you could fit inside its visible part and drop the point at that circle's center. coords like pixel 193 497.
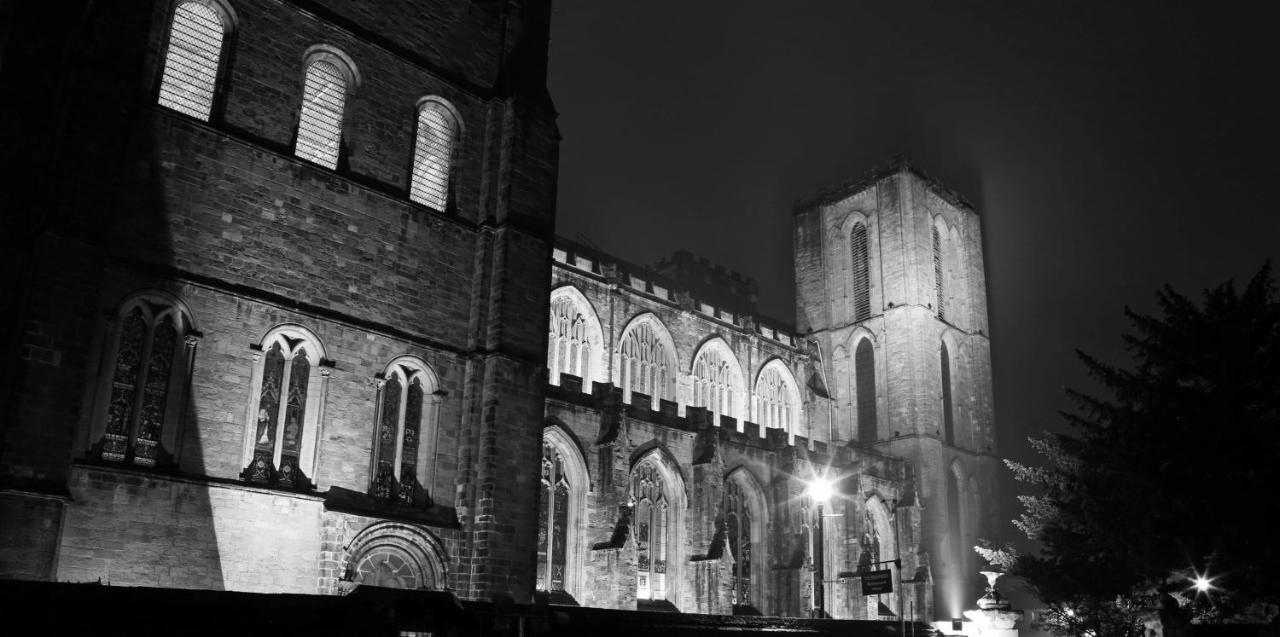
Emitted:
pixel 288 391
pixel 645 363
pixel 717 381
pixel 738 523
pixel 651 527
pixel 404 433
pixel 775 398
pixel 553 521
pixel 568 346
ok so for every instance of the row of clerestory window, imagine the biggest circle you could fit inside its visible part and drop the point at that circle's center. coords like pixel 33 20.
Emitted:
pixel 141 408
pixel 198 36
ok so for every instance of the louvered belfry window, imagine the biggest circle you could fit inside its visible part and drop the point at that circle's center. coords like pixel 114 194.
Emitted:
pixel 433 154
pixel 324 95
pixel 191 60
pixel 861 273
pixel 937 272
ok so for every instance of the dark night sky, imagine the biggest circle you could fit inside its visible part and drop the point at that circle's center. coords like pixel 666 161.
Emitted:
pixel 1109 149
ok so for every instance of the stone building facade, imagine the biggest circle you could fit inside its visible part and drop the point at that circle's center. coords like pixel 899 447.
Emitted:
pixel 293 337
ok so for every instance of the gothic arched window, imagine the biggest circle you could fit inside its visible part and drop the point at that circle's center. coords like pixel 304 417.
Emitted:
pixel 717 380
pixel 652 521
pixel 938 273
pixel 568 346
pixel 193 57
pixel 861 272
pixel 553 521
pixel 433 152
pixel 329 77
pixel 151 350
pixel 646 363
pixel 864 362
pixel 738 523
pixel 288 388
pixel 776 398
pixel 403 449
pixel 948 419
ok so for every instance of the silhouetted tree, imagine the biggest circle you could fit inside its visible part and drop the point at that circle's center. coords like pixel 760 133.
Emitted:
pixel 1173 474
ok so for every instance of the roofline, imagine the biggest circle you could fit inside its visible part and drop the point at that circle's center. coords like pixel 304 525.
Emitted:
pixel 896 165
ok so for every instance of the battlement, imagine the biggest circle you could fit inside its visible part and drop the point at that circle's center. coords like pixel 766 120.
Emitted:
pixel 895 165
pixel 657 285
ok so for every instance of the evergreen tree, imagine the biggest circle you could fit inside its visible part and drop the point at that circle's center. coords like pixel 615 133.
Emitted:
pixel 1172 475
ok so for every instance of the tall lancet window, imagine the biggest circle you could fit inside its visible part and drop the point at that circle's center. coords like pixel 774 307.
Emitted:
pixel 948 419
pixel 192 58
pixel 150 364
pixel 644 363
pixel 738 520
pixel 405 432
pixel 869 556
pixel 861 272
pixel 651 518
pixel 553 521
pixel 324 97
pixel 568 350
pixel 864 361
pixel 433 153
pixel 713 383
pixel 938 273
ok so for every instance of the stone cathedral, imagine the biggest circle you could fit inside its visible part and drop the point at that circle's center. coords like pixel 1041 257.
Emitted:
pixel 288 315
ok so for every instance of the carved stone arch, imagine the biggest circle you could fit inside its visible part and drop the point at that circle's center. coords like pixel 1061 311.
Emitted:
pixel 395 555
pixel 787 417
pixel 723 373
pixel 598 361
pixel 667 370
pixel 664 465
pixel 573 462
pixel 158 303
pixel 878 512
pixel 757 501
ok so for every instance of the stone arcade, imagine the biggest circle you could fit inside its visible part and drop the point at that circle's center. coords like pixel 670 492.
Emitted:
pixel 294 340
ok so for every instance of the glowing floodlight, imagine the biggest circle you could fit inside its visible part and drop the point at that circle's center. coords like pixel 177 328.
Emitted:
pixel 1203 584
pixel 820 490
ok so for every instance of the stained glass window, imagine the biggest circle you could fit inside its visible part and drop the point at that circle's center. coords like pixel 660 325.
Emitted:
pixel 433 154
pixel 191 60
pixel 738 532
pixel 280 424
pixel 147 347
pixel 324 96
pixel 553 521
pixel 861 272
pixel 651 521
pixel 399 431
pixel 864 361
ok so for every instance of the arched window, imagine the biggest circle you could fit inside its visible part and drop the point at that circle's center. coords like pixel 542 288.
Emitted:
pixel 938 273
pixel 151 348
pixel 865 388
pixel 433 153
pixel 717 380
pixel 329 77
pixel 955 525
pixel 289 383
pixel 948 419
pixel 404 448
pixel 861 272
pixel 877 547
pixel 568 348
pixel 553 521
pixel 777 401
pixel 193 57
pixel 646 362
pixel 652 526
pixel 738 530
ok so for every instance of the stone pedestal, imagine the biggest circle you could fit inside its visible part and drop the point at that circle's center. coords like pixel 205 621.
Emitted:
pixel 993 617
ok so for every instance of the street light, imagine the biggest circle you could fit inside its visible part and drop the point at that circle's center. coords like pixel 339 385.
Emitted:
pixel 820 490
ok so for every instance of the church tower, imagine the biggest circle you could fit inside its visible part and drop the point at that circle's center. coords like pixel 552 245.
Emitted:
pixel 891 285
